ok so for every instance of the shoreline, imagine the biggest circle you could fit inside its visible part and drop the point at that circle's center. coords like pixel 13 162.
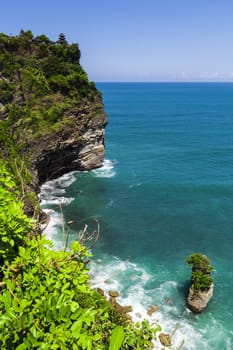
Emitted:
pixel 101 279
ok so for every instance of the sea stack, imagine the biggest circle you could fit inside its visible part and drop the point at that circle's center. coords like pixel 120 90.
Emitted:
pixel 201 286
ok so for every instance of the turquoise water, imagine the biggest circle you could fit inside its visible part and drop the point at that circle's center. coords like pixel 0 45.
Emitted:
pixel 165 191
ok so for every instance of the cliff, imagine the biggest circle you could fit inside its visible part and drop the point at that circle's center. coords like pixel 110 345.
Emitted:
pixel 52 118
pixel 51 121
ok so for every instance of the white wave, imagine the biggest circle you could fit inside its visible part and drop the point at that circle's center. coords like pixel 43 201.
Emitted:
pixel 130 279
pixel 54 226
pixel 107 169
pixel 57 201
pixel 65 180
pixel 53 196
pixel 52 192
pixel 138 184
pixel 110 203
pixel 59 184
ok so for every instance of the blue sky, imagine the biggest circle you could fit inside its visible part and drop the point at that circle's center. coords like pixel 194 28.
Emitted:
pixel 136 40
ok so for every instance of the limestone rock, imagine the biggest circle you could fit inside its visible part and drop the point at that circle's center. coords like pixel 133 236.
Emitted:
pixel 79 147
pixel 127 309
pixel 165 339
pixel 113 301
pixel 198 301
pixel 113 294
pixel 152 310
pixel 100 291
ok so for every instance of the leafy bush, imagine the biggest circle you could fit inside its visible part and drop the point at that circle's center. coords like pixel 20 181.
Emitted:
pixel 6 92
pixel 34 81
pixel 14 224
pixel 46 301
pixel 201 271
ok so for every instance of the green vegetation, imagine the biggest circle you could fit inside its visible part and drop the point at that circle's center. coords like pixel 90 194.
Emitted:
pixel 14 224
pixel 201 272
pixel 45 298
pixel 42 84
pixel 44 92
pixel 46 301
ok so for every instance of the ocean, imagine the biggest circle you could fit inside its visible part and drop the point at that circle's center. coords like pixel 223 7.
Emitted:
pixel 165 191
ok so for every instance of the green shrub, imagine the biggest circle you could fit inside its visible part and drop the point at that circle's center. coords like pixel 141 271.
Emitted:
pixel 14 224
pixel 6 92
pixel 201 271
pixel 46 300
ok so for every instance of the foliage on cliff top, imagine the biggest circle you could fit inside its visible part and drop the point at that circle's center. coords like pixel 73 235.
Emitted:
pixel 44 95
pixel 35 67
pixel 42 84
pixel 201 271
pixel 14 224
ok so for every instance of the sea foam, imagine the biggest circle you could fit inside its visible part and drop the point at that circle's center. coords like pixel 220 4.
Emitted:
pixel 130 280
pixel 107 169
pixel 53 191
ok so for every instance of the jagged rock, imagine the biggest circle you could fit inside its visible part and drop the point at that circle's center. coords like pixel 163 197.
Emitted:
pixel 78 147
pixel 198 301
pixel 165 339
pixel 113 301
pixel 100 291
pixel 113 294
pixel 152 310
pixel 123 310
pixel 127 309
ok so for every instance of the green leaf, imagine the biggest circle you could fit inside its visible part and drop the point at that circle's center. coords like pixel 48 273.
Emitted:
pixel 21 347
pixel 116 338
pixel 76 328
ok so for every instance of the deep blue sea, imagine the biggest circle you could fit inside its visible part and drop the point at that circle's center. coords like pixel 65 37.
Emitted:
pixel 165 191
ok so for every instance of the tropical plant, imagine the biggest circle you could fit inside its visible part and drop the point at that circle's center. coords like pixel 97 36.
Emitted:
pixel 46 301
pixel 14 224
pixel 201 271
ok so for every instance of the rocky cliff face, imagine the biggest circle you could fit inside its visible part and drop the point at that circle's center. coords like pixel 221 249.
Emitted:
pixel 79 146
pixel 52 118
pixel 198 301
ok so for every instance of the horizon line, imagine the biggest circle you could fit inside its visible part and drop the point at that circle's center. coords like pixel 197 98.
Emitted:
pixel 164 82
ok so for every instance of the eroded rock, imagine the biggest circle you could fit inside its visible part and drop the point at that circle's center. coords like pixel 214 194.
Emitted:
pixel 113 294
pixel 198 301
pixel 152 310
pixel 165 339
